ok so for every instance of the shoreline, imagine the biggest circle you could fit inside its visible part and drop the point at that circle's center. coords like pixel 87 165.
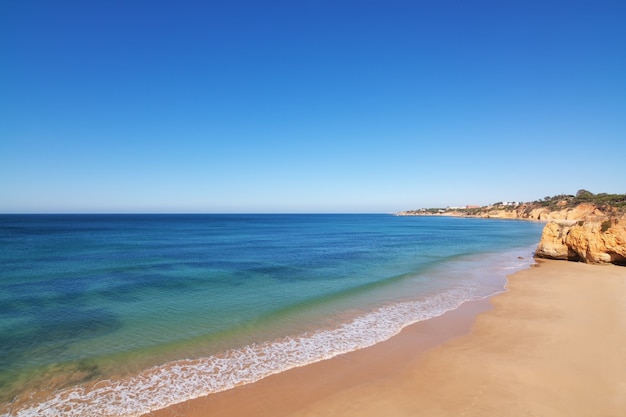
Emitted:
pixel 278 395
pixel 181 380
pixel 129 393
pixel 554 344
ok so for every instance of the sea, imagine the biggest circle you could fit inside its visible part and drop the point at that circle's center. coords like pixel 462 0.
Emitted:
pixel 121 314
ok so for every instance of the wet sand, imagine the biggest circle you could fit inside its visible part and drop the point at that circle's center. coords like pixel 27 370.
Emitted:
pixel 553 345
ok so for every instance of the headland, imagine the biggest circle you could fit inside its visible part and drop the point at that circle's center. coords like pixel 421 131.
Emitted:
pixel 585 227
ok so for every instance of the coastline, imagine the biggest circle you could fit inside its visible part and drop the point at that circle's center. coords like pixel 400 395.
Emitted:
pixel 554 344
pixel 437 281
pixel 285 393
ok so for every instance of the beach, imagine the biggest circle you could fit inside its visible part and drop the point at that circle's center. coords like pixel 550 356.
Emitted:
pixel 120 315
pixel 553 344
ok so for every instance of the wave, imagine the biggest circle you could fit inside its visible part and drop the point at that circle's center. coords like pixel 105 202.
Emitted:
pixel 182 380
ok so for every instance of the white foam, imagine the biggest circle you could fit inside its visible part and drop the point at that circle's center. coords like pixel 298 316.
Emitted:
pixel 178 381
pixel 182 380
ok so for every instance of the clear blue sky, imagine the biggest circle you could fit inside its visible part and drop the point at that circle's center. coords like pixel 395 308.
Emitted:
pixel 308 105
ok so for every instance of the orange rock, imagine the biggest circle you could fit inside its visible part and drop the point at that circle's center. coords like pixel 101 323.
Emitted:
pixel 596 239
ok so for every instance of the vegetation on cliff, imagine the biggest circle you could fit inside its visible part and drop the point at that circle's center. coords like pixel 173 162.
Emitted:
pixel 602 203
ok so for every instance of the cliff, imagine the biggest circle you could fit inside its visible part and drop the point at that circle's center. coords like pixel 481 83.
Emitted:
pixel 533 211
pixel 595 239
pixel 586 227
pixel 585 233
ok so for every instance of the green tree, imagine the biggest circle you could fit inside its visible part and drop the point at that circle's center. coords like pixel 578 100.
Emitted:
pixel 584 195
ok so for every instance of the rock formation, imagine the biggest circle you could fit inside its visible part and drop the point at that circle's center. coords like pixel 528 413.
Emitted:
pixel 594 239
pixel 531 212
pixel 587 227
pixel 582 233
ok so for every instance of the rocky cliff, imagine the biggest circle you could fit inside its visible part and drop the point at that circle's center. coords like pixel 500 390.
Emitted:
pixel 530 211
pixel 586 227
pixel 584 233
pixel 593 239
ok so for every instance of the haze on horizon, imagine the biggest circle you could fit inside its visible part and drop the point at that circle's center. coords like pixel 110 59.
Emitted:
pixel 309 106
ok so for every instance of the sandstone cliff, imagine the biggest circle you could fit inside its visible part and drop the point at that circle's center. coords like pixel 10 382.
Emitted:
pixel 595 239
pixel 583 233
pixel 586 227
pixel 531 211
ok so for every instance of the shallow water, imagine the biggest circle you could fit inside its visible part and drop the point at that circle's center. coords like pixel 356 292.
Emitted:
pixel 155 309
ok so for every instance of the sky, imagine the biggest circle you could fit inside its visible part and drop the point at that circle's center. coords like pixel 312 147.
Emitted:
pixel 309 105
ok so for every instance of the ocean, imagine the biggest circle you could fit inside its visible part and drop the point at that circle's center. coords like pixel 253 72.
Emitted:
pixel 117 315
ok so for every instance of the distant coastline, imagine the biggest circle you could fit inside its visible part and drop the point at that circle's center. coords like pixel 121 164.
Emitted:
pixel 559 207
pixel 585 227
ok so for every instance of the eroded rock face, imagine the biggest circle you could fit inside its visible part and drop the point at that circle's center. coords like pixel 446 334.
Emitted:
pixel 596 239
pixel 581 211
pixel 552 244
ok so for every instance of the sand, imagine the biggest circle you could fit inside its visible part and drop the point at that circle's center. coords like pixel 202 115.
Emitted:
pixel 554 344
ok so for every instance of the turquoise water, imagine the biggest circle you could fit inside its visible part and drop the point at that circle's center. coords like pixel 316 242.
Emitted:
pixel 97 311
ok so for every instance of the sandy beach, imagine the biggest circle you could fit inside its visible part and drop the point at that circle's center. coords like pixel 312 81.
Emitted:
pixel 554 344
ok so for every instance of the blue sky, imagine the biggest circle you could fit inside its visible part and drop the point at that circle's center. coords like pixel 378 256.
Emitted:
pixel 308 106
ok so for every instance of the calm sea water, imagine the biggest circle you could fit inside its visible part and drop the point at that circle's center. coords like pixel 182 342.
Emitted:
pixel 115 315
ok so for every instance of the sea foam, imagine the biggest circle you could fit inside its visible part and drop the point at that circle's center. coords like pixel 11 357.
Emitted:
pixel 174 382
pixel 182 380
